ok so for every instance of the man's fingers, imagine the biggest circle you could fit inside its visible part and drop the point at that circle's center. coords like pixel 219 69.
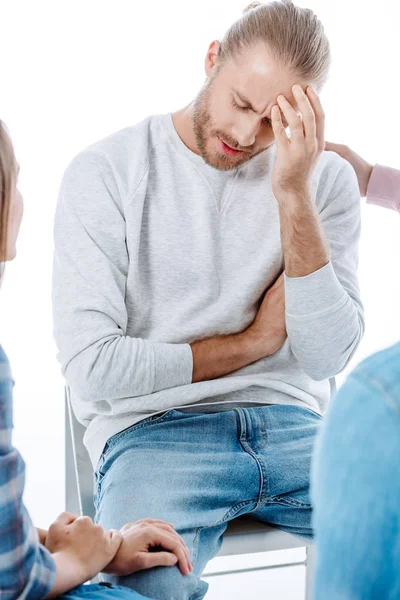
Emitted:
pixel 277 126
pixel 319 116
pixel 307 112
pixel 66 518
pixel 295 122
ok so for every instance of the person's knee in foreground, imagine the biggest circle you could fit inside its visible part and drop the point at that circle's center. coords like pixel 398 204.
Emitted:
pixel 37 564
pixel 356 483
pixel 225 277
pixel 356 486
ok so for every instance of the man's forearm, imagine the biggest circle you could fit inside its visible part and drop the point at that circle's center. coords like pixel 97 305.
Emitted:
pixel 221 355
pixel 304 247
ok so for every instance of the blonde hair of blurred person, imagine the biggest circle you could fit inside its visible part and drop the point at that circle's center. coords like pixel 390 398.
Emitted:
pixel 11 204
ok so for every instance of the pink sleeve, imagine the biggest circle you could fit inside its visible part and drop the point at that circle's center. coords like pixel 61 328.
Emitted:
pixel 384 187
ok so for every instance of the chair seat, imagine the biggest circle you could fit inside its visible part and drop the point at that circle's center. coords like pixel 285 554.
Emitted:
pixel 244 536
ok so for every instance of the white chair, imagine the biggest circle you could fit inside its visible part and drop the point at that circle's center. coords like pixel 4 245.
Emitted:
pixel 241 537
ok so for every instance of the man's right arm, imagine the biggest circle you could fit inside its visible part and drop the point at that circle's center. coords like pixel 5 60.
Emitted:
pixel 219 356
pixel 91 264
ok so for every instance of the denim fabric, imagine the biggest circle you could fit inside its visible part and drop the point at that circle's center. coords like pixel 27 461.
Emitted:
pixel 356 486
pixel 199 471
pixel 101 592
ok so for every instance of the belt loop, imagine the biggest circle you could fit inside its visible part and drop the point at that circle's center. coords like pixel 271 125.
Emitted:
pixel 242 424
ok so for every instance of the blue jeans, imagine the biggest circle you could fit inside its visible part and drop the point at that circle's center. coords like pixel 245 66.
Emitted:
pixel 356 486
pixel 101 592
pixel 199 471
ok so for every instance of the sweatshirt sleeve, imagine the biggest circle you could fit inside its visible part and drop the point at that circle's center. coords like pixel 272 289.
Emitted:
pixel 324 313
pixel 384 187
pixel 98 359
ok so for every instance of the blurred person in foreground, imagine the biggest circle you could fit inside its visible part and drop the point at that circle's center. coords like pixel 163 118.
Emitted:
pixel 35 563
pixel 356 471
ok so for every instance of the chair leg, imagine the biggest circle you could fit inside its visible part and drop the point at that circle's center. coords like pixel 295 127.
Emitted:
pixel 71 490
pixel 310 569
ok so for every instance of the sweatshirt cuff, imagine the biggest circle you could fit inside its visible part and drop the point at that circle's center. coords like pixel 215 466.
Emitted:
pixel 384 187
pixel 313 294
pixel 173 366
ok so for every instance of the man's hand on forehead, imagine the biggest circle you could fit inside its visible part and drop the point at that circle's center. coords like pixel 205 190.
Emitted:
pixel 297 155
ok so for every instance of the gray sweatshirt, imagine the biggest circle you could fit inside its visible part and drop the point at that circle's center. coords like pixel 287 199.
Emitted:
pixel 154 250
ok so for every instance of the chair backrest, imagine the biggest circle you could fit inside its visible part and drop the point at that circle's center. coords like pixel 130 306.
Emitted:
pixel 81 461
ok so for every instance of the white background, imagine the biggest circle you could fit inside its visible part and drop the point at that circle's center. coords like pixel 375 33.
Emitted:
pixel 75 71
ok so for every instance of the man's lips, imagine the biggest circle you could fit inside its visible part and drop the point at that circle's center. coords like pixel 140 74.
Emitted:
pixel 229 150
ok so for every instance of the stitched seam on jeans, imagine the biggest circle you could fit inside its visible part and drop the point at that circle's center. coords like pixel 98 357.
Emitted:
pixel 227 517
pixel 263 474
pixel 287 501
pixel 249 450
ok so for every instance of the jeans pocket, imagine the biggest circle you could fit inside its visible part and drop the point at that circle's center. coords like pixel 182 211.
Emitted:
pixel 118 437
pixel 103 465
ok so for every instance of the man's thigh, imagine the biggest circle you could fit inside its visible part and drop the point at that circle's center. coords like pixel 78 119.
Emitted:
pixel 285 449
pixel 187 469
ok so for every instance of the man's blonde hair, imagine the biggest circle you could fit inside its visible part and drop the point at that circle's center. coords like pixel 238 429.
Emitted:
pixel 294 36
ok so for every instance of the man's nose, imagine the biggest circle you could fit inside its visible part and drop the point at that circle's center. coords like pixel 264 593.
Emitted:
pixel 246 132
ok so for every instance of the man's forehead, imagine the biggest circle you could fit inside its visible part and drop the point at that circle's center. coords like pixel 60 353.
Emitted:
pixel 261 103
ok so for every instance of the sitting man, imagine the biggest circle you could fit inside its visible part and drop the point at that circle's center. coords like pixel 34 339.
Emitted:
pixel 205 291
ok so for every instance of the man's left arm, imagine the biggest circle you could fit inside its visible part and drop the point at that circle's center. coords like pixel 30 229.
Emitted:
pixel 324 314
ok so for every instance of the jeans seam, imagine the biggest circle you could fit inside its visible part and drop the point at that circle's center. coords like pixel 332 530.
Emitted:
pixel 263 472
pixel 228 516
pixel 287 501
pixel 249 450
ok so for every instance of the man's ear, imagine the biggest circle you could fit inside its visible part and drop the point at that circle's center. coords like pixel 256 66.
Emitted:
pixel 212 58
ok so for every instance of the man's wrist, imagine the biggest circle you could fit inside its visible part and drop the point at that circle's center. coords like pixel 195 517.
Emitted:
pixel 294 197
pixel 255 345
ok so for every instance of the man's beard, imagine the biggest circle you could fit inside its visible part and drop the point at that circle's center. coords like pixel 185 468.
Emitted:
pixel 204 132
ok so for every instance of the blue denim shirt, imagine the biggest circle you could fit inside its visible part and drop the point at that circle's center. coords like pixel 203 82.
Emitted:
pixel 27 569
